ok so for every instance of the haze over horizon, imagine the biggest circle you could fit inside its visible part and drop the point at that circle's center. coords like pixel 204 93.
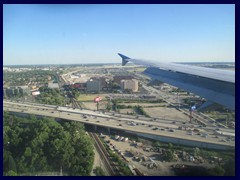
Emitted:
pixel 81 34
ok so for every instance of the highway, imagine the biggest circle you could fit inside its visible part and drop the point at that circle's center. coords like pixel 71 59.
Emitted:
pixel 171 100
pixel 150 126
pixel 175 102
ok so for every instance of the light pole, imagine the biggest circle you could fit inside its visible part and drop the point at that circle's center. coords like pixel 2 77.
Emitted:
pixel 178 101
pixel 65 103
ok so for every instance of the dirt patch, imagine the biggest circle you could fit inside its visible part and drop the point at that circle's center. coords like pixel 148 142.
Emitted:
pixel 126 111
pixel 93 105
pixel 164 112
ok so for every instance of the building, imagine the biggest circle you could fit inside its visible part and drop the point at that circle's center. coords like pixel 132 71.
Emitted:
pixel 80 86
pixel 4 92
pixel 10 92
pixel 53 85
pixel 35 93
pixel 24 90
pixel 102 80
pixel 118 79
pixel 130 85
pixel 15 91
pixel 94 85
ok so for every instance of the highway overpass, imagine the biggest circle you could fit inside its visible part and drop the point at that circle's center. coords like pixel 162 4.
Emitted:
pixel 163 130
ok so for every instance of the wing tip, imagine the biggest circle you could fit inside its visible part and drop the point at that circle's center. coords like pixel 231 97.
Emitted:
pixel 124 59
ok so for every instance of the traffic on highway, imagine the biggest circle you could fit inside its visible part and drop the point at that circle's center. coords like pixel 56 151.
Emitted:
pixel 153 126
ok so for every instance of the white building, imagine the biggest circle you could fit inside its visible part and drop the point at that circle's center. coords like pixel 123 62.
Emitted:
pixel 129 84
pixel 53 85
pixel 35 93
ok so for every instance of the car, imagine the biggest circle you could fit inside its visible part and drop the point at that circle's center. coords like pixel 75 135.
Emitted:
pixel 171 130
pixel 120 124
pixel 205 135
pixel 98 121
pixel 52 112
pixel 68 114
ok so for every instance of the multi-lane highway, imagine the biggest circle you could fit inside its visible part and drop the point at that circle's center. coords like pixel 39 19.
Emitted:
pixel 152 127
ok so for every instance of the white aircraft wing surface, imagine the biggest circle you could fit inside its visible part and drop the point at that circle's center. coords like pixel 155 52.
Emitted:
pixel 215 85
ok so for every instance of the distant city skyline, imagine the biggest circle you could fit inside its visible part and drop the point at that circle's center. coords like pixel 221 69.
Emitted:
pixel 80 34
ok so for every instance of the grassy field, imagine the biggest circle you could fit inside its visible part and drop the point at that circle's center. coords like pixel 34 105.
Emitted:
pixel 90 97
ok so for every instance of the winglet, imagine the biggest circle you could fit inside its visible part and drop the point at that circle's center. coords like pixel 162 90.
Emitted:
pixel 124 59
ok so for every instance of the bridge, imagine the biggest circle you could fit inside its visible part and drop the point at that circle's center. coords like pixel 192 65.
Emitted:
pixel 157 129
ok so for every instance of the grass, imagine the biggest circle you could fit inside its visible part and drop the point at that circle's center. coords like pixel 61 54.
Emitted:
pixel 90 97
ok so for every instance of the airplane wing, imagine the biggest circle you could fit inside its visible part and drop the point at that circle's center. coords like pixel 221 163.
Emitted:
pixel 213 84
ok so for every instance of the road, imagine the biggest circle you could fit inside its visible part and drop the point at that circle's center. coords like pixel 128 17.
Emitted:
pixel 125 122
pixel 173 101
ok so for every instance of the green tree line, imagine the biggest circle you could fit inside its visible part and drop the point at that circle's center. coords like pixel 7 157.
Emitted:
pixel 44 145
pixel 50 96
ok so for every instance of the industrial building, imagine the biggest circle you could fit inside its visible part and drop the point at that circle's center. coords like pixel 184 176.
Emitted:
pixel 94 85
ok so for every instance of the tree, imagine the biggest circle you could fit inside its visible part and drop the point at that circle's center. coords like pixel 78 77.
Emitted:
pixel 108 106
pixel 170 146
pixel 157 144
pixel 99 171
pixel 168 155
pixel 11 173
pixel 229 167
pixel 32 145
pixel 217 171
pixel 196 151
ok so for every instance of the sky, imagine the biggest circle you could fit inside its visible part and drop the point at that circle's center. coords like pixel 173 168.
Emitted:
pixel 66 34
